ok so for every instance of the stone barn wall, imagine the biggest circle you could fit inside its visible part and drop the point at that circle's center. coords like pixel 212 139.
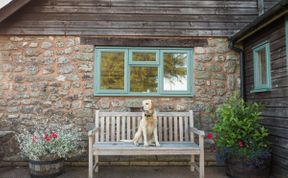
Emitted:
pixel 52 77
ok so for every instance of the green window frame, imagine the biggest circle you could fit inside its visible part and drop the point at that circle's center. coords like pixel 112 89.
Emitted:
pixel 259 86
pixel 157 61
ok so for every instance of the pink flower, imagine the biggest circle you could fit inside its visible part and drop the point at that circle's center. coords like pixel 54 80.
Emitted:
pixel 54 135
pixel 46 137
pixel 210 135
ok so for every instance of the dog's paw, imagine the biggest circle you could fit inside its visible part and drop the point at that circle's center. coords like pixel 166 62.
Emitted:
pixel 136 143
pixel 158 144
pixel 146 144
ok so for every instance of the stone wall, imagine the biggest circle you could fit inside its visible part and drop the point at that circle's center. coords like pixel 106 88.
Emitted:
pixel 45 76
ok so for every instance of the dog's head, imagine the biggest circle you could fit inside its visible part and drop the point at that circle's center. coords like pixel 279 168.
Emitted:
pixel 147 106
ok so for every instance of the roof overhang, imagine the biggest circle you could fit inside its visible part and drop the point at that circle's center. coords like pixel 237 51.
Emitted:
pixel 11 8
pixel 276 12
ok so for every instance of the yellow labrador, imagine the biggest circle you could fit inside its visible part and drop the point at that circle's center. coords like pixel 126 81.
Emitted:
pixel 147 130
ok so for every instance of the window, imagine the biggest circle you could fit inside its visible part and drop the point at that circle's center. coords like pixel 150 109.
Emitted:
pixel 262 74
pixel 143 72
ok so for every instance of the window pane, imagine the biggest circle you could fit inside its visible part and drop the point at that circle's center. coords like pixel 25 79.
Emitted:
pixel 262 66
pixel 144 56
pixel 175 71
pixel 143 79
pixel 112 70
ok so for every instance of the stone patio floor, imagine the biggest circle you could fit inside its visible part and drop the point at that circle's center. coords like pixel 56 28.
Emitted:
pixel 121 172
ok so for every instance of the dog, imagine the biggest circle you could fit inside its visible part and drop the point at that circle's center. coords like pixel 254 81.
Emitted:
pixel 147 130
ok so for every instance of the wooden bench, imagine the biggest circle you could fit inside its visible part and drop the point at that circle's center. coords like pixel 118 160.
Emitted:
pixel 175 131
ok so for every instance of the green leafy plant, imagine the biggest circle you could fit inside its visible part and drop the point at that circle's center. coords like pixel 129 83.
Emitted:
pixel 49 141
pixel 239 132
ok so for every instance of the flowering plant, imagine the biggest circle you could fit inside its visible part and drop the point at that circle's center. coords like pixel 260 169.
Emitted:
pixel 48 141
pixel 238 132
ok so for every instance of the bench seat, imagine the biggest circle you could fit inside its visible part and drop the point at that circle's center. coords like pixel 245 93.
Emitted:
pixel 166 148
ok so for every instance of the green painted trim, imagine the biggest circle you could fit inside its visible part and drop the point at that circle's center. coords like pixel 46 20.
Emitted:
pixel 143 62
pixel 286 41
pixel 257 86
pixel 260 90
pixel 97 73
pixel 128 62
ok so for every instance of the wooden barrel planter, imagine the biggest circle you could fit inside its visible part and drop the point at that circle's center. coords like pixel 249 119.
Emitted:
pixel 46 169
pixel 238 168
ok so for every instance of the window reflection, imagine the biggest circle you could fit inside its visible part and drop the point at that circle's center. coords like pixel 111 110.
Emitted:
pixel 175 71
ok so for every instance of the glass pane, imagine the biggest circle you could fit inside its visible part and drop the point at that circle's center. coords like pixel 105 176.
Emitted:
pixel 262 67
pixel 175 72
pixel 144 56
pixel 112 70
pixel 143 79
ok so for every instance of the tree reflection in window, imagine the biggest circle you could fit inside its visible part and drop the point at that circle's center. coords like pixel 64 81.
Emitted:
pixel 112 70
pixel 143 79
pixel 175 71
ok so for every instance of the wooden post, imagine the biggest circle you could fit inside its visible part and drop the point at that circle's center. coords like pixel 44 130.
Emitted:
pixel 201 160
pixel 192 162
pixel 90 170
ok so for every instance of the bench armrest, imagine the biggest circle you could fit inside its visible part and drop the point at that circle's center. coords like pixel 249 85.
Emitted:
pixel 93 131
pixel 196 131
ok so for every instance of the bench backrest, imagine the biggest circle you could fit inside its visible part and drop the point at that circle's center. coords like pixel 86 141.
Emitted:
pixel 116 126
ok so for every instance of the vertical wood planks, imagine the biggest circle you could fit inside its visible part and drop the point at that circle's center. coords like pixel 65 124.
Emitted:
pixel 181 129
pixel 191 122
pixel 160 130
pixel 128 127
pixel 186 126
pixel 175 129
pixel 102 125
pixel 113 129
pixel 107 131
pixel 97 125
pixel 123 123
pixel 118 128
pixel 165 128
pixel 134 121
pixel 170 127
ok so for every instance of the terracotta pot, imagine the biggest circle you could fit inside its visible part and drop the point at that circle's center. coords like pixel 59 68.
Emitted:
pixel 239 168
pixel 46 169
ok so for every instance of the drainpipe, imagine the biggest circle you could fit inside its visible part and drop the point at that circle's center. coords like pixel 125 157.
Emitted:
pixel 242 68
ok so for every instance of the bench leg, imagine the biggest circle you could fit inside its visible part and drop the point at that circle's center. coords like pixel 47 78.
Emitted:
pixel 192 167
pixel 90 159
pixel 201 166
pixel 96 163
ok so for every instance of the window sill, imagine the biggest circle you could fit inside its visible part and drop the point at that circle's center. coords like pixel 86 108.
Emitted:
pixel 260 90
pixel 143 95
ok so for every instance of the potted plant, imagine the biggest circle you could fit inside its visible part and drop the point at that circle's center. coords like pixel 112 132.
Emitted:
pixel 241 141
pixel 46 146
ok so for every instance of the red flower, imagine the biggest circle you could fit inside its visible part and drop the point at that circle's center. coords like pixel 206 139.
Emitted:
pixel 54 135
pixel 46 137
pixel 241 143
pixel 210 135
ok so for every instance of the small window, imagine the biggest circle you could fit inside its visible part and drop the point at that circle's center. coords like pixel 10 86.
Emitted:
pixel 262 74
pixel 143 72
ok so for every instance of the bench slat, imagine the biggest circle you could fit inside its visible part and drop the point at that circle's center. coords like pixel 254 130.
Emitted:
pixel 181 129
pixel 134 120
pixel 186 131
pixel 121 114
pixel 107 131
pixel 170 127
pixel 102 124
pixel 175 128
pixel 128 127
pixel 97 125
pixel 165 128
pixel 118 129
pixel 191 123
pixel 113 128
pixel 160 129
pixel 123 128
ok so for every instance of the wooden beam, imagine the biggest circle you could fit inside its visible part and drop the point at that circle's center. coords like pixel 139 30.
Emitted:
pixel 11 8
pixel 144 42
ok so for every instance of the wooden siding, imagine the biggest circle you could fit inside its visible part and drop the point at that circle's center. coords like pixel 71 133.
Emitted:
pixel 131 17
pixel 269 3
pixel 275 114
